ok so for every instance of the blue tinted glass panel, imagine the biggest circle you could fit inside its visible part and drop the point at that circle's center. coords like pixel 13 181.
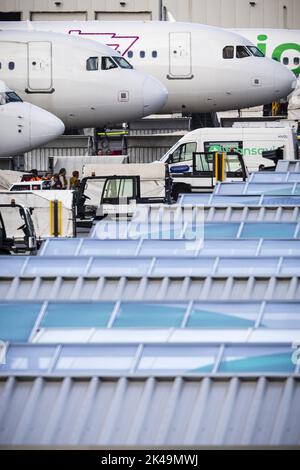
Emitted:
pixel 281 315
pixel 268 230
pixel 281 200
pixel 280 247
pixel 235 200
pixel 96 358
pixel 268 363
pixel 11 265
pixel 17 320
pixel 294 177
pixel 141 315
pixel 291 266
pixel 270 188
pixel 77 315
pixel 66 247
pixel 120 266
pixel 167 248
pixel 268 177
pixel 195 199
pixel 43 266
pixel 108 247
pixel 28 359
pixel 220 230
pixel 229 247
pixel 248 265
pixel 183 267
pixel 177 359
pixel 208 318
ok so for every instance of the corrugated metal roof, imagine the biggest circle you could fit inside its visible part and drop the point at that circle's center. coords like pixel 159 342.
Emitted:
pixel 150 411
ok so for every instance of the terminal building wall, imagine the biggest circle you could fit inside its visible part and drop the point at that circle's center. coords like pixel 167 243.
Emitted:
pixel 224 13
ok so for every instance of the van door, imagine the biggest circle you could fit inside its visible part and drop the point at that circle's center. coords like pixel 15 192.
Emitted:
pixel 180 56
pixel 40 67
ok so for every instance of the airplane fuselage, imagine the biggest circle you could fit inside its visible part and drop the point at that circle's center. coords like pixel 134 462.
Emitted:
pixel 189 60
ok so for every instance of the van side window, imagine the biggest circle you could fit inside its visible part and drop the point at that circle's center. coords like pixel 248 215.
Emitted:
pixel 241 52
pixel 92 63
pixel 184 152
pixel 228 52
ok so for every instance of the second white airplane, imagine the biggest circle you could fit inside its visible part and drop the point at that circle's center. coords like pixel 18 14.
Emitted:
pixel 24 126
pixel 204 68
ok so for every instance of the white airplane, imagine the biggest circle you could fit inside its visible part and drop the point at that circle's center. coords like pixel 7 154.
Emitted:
pixel 204 68
pixel 24 126
pixel 282 45
pixel 84 83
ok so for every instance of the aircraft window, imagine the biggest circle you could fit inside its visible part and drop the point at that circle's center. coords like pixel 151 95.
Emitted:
pixel 92 63
pixel 296 60
pixel 12 97
pixel 241 52
pixel 154 54
pixel 255 51
pixel 123 63
pixel 228 52
pixel 285 61
pixel 130 54
pixel 11 65
pixel 107 63
pixel 142 54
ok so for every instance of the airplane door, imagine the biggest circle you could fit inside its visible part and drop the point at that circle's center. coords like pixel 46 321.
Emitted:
pixel 40 67
pixel 180 56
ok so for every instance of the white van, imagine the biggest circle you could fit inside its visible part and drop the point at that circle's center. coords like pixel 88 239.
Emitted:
pixel 248 142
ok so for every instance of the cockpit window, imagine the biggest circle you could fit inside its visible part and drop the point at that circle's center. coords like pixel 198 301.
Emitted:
pixel 9 97
pixel 107 63
pixel 228 52
pixel 92 63
pixel 123 63
pixel 255 51
pixel 12 97
pixel 241 52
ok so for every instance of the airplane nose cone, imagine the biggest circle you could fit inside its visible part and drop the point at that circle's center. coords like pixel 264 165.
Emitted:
pixel 285 81
pixel 44 126
pixel 155 96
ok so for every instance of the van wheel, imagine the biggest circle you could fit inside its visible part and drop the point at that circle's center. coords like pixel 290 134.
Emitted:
pixel 180 189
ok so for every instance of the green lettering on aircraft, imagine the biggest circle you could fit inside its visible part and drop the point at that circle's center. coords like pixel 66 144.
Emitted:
pixel 279 50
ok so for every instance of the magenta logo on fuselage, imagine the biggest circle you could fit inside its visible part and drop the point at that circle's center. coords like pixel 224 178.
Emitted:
pixel 122 44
